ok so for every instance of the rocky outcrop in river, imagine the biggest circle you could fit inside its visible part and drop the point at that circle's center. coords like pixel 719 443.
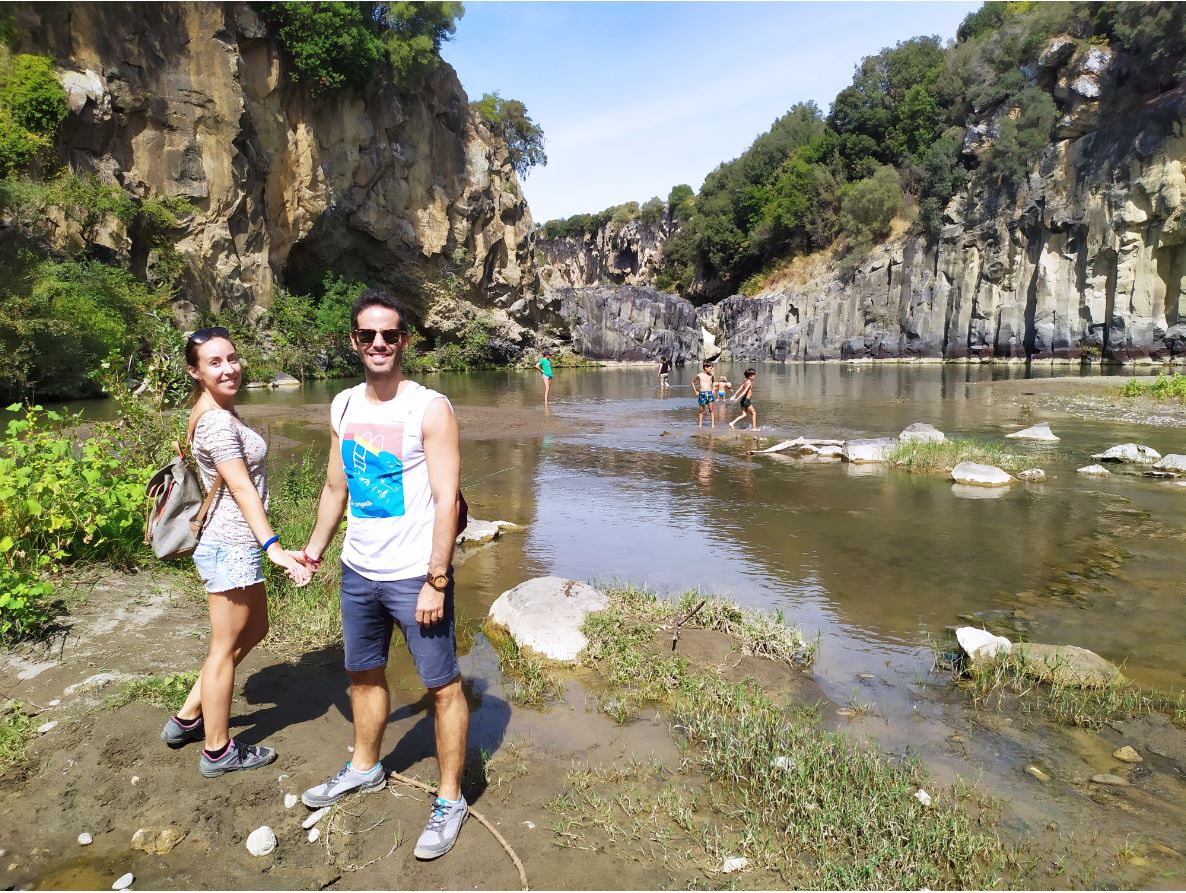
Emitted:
pixel 630 323
pixel 194 100
pixel 630 254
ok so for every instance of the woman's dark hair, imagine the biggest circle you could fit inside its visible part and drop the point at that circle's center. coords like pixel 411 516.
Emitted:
pixel 191 359
pixel 377 297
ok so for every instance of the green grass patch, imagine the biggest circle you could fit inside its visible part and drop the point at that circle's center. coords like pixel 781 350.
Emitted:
pixel 167 691
pixel 16 730
pixel 1163 387
pixel 526 675
pixel 1008 685
pixel 941 457
pixel 819 809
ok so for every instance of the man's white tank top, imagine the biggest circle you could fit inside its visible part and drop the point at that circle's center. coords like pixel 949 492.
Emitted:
pixel 391 511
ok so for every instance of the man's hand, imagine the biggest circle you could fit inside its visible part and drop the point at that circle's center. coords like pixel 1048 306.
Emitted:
pixel 430 605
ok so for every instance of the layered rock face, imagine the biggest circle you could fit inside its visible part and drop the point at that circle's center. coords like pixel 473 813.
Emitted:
pixel 193 99
pixel 629 323
pixel 626 255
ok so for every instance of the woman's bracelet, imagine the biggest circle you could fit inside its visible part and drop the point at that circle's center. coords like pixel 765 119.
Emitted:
pixel 265 546
pixel 310 560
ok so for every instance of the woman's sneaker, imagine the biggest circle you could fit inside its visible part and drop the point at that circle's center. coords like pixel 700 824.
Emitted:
pixel 237 756
pixel 175 734
pixel 444 824
pixel 347 781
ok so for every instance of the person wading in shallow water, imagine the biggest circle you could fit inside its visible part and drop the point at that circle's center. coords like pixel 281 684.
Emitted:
pixel 544 365
pixel 229 556
pixel 702 387
pixel 745 396
pixel 395 459
pixel 664 372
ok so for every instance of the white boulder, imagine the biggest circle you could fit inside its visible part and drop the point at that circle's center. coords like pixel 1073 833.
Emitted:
pixel 1097 470
pixel 1037 432
pixel 1032 475
pixel 1132 453
pixel 921 432
pixel 868 450
pixel 1174 463
pixel 477 532
pixel 979 644
pixel 980 475
pixel 284 380
pixel 545 615
pixel 261 841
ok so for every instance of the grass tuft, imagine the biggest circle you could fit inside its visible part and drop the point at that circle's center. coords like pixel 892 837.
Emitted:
pixel 167 692
pixel 16 730
pixel 1163 387
pixel 940 457
pixel 526 676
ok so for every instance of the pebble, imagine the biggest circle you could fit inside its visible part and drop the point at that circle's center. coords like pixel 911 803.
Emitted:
pixel 290 800
pixel 1108 779
pixel 261 841
pixel 1037 773
pixel 54 703
pixel 530 825
pixel 783 763
pixel 866 676
pixel 124 882
pixel 1127 754
pixel 85 839
pixel 45 727
pixel 314 835
pixel 350 747
pixel 315 817
pixel 922 797
pixel 135 779
pixel 734 863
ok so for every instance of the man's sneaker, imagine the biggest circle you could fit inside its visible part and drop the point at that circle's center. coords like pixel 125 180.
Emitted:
pixel 237 756
pixel 444 822
pixel 175 734
pixel 345 782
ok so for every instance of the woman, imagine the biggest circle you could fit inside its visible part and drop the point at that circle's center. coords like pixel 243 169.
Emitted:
pixel 229 556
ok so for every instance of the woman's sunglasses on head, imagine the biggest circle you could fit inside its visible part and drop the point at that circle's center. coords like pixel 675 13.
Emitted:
pixel 201 336
pixel 367 336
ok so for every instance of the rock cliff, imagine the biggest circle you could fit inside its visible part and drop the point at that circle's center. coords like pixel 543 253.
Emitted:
pixel 193 99
pixel 630 254
pixel 630 323
pixel 1087 260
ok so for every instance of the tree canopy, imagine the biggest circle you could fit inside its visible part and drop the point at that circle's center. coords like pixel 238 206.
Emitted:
pixel 508 118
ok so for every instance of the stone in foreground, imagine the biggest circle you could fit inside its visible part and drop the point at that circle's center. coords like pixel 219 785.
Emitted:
pixel 1128 754
pixel 1174 463
pixel 921 432
pixel 1129 453
pixel 1096 470
pixel 545 615
pixel 980 644
pixel 261 841
pixel 868 450
pixel 1036 432
pixel 980 475
pixel 1108 779
pixel 1068 665
pixel 1032 475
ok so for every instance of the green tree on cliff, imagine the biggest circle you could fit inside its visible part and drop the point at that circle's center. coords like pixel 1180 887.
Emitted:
pixel 508 118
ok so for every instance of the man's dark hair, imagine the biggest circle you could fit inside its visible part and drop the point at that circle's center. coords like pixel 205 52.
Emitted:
pixel 707 365
pixel 377 297
pixel 751 371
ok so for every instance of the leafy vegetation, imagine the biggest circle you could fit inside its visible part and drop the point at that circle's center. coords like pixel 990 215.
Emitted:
pixel 332 46
pixel 1163 387
pixel 16 730
pixel 32 106
pixel 508 118
pixel 581 226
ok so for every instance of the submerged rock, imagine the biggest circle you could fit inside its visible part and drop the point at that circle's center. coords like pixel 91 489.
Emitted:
pixel 921 432
pixel 1108 779
pixel 546 614
pixel 1036 432
pixel 980 644
pixel 1068 665
pixel 1127 754
pixel 978 475
pixel 1038 774
pixel 1174 463
pixel 1032 475
pixel 1097 470
pixel 1130 453
pixel 868 450
pixel 477 532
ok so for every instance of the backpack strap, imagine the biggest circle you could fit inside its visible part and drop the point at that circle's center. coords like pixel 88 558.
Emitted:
pixel 345 409
pixel 215 486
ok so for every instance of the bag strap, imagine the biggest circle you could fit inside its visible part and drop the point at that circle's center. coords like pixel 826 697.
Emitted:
pixel 345 409
pixel 215 485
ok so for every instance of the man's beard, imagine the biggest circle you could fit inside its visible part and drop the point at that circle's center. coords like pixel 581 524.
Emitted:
pixel 397 361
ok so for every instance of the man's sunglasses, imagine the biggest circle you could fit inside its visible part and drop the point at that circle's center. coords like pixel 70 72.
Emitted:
pixel 367 336
pixel 201 336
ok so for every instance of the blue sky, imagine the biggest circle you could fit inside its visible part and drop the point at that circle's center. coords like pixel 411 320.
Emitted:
pixel 637 97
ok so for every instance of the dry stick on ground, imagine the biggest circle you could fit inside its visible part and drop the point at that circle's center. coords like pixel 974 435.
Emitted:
pixel 680 622
pixel 411 782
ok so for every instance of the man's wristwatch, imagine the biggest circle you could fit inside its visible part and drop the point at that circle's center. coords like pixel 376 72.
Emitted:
pixel 437 581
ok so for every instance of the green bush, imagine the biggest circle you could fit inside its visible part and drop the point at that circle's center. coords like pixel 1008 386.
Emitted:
pixel 867 206
pixel 33 95
pixel 18 147
pixel 508 118
pixel 1021 140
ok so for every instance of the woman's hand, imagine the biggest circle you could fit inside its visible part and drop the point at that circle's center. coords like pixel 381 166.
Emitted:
pixel 297 572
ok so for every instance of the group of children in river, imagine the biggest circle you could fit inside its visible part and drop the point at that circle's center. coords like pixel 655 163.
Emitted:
pixel 711 389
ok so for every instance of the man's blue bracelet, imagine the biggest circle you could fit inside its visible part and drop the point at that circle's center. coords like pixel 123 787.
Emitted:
pixel 264 547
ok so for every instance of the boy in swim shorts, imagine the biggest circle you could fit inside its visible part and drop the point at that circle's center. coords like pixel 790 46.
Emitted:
pixel 745 396
pixel 702 386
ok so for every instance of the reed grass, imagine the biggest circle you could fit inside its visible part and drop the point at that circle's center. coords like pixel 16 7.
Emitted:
pixel 940 457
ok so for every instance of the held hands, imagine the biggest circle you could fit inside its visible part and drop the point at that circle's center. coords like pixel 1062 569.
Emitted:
pixel 296 571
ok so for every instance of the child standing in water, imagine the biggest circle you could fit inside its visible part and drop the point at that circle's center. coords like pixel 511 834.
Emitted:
pixel 544 365
pixel 702 386
pixel 745 396
pixel 721 386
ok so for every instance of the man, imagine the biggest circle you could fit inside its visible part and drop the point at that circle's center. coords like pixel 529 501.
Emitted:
pixel 702 386
pixel 395 457
pixel 664 372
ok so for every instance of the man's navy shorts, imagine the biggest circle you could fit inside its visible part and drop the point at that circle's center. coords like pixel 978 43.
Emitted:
pixel 370 611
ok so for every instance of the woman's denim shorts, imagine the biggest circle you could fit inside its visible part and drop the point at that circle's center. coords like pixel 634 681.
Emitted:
pixel 224 566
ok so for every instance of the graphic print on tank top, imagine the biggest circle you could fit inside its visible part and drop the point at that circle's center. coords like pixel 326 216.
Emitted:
pixel 372 454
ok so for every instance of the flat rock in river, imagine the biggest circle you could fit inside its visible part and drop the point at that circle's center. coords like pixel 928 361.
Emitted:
pixel 545 614
pixel 1174 463
pixel 868 450
pixel 1130 453
pixel 980 475
pixel 922 433
pixel 477 532
pixel 1037 432
pixel 1067 665
pixel 1096 470
pixel 980 644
